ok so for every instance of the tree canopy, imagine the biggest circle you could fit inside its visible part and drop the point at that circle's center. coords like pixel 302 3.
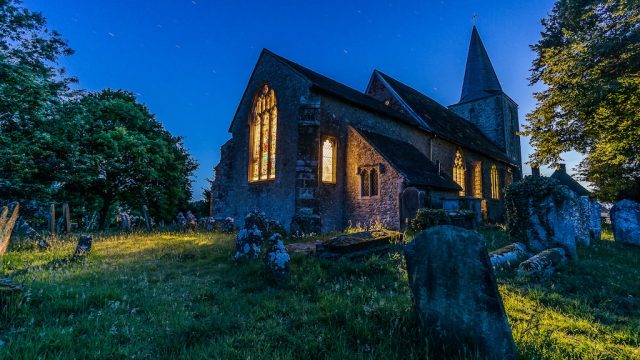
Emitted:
pixel 92 150
pixel 589 60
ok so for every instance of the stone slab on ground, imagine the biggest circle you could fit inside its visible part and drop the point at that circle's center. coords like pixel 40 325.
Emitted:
pixel 455 294
pixel 358 244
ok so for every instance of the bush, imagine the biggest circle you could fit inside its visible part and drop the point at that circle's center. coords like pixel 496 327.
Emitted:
pixel 426 218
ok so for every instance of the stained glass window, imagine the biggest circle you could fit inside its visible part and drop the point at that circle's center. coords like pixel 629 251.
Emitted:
pixel 329 161
pixel 263 124
pixel 495 182
pixel 459 171
pixel 477 180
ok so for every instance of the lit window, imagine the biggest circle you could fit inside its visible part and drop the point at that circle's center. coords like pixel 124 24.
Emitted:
pixel 263 125
pixel 329 160
pixel 495 183
pixel 477 180
pixel 369 181
pixel 459 171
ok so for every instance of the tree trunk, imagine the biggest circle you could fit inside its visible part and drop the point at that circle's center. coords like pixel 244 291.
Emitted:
pixel 6 227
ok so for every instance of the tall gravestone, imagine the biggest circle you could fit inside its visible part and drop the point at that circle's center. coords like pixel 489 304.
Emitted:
pixel 625 221
pixel 455 293
pixel 595 221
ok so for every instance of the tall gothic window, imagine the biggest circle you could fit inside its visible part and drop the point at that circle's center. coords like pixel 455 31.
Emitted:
pixel 369 181
pixel 477 180
pixel 495 182
pixel 329 161
pixel 459 171
pixel 263 125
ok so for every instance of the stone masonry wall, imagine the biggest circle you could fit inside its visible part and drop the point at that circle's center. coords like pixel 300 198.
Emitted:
pixel 385 207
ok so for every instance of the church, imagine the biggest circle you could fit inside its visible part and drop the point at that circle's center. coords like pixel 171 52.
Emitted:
pixel 319 156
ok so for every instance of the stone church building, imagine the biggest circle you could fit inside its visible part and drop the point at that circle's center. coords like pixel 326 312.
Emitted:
pixel 319 156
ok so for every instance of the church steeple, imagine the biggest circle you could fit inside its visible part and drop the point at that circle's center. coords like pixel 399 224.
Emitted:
pixel 480 79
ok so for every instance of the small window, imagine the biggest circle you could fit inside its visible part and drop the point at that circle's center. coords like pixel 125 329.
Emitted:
pixel 329 161
pixel 495 183
pixel 369 181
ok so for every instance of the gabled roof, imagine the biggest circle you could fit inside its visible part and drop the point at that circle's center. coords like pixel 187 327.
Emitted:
pixel 480 79
pixel 414 166
pixel 566 179
pixel 444 122
pixel 332 87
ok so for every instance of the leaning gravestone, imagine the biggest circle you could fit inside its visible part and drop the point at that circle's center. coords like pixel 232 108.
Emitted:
pixel 84 246
pixel 277 259
pixel 455 293
pixel 625 221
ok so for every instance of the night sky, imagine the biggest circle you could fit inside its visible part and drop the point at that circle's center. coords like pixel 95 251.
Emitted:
pixel 189 61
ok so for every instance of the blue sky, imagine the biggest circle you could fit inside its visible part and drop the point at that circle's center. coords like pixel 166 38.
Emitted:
pixel 189 61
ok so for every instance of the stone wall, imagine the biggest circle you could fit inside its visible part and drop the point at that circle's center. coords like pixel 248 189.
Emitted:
pixel 497 118
pixel 385 207
pixel 275 197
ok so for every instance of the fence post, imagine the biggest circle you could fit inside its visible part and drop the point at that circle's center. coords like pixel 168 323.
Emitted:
pixel 52 219
pixel 147 223
pixel 66 214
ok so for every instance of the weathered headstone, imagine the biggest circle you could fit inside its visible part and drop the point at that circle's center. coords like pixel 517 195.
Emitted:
pixel 543 264
pixel 192 221
pixel 455 293
pixel 248 243
pixel 182 221
pixel 125 221
pixel 7 223
pixel 84 246
pixel 277 258
pixel 595 221
pixel 509 256
pixel 625 221
pixel 583 236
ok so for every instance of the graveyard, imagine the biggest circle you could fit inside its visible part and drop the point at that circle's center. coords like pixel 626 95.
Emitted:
pixel 181 295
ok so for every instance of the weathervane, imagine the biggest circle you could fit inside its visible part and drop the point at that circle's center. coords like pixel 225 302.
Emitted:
pixel 474 18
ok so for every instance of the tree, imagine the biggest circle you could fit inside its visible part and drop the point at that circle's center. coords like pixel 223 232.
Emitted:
pixel 122 155
pixel 31 86
pixel 589 60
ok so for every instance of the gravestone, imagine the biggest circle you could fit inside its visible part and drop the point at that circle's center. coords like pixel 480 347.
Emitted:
pixel 125 221
pixel 583 235
pixel 412 200
pixel 625 221
pixel 277 259
pixel 182 221
pixel 543 264
pixel 84 246
pixel 455 293
pixel 595 221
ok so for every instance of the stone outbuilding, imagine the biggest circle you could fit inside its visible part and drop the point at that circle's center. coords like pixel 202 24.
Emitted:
pixel 319 156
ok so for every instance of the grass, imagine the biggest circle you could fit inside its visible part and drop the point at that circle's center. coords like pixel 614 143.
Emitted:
pixel 175 295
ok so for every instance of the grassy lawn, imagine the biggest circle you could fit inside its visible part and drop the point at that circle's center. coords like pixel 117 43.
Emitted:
pixel 180 296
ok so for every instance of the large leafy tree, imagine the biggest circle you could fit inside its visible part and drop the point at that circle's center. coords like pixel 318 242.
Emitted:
pixel 31 86
pixel 121 155
pixel 589 61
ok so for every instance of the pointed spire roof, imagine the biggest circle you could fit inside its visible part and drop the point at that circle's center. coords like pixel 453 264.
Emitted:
pixel 480 79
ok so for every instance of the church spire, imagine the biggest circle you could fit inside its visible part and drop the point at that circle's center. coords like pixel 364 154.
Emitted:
pixel 480 79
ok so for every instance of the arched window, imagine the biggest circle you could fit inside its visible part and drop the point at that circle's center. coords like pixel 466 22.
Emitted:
pixel 263 125
pixel 459 171
pixel 477 180
pixel 508 179
pixel 329 160
pixel 495 182
pixel 365 183
pixel 374 182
